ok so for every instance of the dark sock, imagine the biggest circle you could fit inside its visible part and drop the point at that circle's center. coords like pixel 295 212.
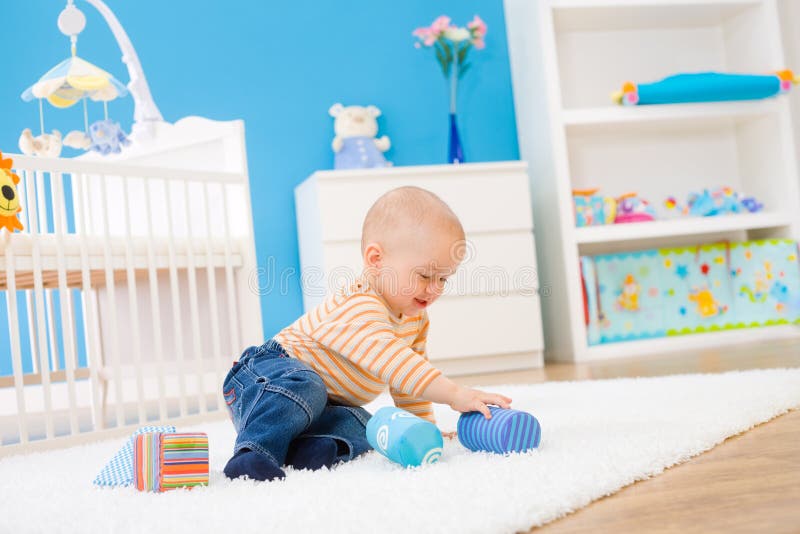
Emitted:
pixel 312 453
pixel 253 464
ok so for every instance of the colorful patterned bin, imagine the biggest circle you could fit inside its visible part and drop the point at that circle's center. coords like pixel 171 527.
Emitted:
pixel 688 290
pixel 163 462
pixel 766 282
pixel 697 289
pixel 623 296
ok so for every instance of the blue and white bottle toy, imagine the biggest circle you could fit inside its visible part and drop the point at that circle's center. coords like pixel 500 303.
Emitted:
pixel 507 431
pixel 404 438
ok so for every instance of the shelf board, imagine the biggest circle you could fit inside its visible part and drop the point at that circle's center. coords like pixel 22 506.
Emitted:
pixel 700 114
pixel 679 227
pixel 693 342
pixel 604 15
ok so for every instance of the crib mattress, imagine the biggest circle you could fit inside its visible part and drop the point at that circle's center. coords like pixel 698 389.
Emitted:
pixel 71 247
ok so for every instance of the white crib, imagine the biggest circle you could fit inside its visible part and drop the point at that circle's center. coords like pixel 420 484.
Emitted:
pixel 131 288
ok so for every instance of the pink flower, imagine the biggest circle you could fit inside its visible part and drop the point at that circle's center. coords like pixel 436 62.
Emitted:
pixel 479 43
pixel 478 28
pixel 427 35
pixel 421 32
pixel 440 24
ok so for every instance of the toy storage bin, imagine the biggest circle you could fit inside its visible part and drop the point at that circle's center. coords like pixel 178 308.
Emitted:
pixel 698 294
pixel 690 290
pixel 766 282
pixel 623 296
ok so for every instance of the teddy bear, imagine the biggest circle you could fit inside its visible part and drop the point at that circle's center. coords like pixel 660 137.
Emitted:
pixel 355 145
pixel 107 137
pixel 46 145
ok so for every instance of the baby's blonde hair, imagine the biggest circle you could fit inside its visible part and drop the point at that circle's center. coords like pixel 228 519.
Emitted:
pixel 407 208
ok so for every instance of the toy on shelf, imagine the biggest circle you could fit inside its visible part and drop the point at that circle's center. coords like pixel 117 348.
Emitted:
pixel 507 431
pixel 72 81
pixel 404 438
pixel 633 208
pixel 706 87
pixel 711 202
pixel 9 197
pixel 355 145
pixel 714 202
pixel 674 209
pixel 592 209
pixel 751 204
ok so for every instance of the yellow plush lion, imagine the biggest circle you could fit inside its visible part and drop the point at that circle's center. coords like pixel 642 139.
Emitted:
pixel 9 199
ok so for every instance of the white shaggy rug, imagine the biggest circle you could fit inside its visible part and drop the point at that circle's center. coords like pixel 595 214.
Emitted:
pixel 597 436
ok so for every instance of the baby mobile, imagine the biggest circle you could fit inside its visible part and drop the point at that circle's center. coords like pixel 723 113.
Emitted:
pixel 71 81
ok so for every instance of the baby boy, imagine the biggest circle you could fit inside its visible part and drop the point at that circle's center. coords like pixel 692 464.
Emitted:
pixel 296 400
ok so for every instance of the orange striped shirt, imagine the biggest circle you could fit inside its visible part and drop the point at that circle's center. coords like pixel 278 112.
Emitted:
pixel 359 347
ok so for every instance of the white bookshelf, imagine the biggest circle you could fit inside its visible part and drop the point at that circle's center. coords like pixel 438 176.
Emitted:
pixel 567 57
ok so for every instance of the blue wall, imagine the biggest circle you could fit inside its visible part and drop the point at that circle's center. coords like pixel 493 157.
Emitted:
pixel 279 66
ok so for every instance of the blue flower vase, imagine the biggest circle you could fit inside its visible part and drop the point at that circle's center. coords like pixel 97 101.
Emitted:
pixel 455 152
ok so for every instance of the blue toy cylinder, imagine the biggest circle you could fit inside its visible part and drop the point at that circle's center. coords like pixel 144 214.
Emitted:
pixel 708 87
pixel 506 431
pixel 404 438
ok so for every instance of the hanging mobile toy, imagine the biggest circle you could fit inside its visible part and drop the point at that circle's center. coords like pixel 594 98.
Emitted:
pixel 69 82
pixel 9 199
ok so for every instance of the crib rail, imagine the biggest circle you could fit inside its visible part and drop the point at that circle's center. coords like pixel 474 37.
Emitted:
pixel 126 297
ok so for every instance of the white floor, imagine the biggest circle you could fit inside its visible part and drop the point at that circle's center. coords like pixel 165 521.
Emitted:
pixel 598 436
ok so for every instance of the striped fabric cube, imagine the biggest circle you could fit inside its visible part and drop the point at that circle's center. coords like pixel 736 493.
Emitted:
pixel 119 470
pixel 507 431
pixel 162 462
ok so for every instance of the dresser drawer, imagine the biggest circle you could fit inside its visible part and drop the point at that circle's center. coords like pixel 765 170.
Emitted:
pixel 484 202
pixel 477 326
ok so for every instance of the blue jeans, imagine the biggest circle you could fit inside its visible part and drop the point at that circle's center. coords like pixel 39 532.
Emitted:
pixel 275 400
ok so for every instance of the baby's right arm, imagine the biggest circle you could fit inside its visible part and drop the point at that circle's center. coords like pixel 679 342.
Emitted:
pixel 442 390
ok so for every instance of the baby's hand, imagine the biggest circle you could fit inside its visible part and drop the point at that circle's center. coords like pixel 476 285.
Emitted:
pixel 474 400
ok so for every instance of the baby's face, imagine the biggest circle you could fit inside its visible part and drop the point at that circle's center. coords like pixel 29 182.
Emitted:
pixel 413 276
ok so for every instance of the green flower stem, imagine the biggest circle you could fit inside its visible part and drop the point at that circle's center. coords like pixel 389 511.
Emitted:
pixel 453 87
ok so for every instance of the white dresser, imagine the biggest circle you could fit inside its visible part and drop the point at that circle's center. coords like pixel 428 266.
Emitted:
pixel 489 317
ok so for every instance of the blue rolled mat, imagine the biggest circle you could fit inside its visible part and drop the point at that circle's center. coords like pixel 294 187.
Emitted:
pixel 507 431
pixel 706 87
pixel 404 438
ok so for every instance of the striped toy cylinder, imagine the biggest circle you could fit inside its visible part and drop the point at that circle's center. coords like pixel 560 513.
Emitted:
pixel 507 431
pixel 404 438
pixel 165 461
